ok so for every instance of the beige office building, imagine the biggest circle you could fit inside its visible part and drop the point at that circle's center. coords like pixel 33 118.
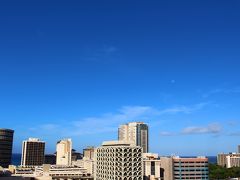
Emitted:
pixel 118 160
pixel 232 161
pixel 64 152
pixel 134 132
pixel 88 152
pixel 86 163
pixel 152 167
pixel 33 152
pixel 222 158
pixel 49 172
pixel 176 168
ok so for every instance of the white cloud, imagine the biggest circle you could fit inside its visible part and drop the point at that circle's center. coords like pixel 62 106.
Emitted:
pixel 221 90
pixel 166 133
pixel 214 128
pixel 109 122
pixel 49 127
pixel 183 109
pixel 209 129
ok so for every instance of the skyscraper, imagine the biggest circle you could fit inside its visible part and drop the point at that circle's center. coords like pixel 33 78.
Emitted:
pixel 64 152
pixel 33 152
pixel 118 160
pixel 6 141
pixel 134 132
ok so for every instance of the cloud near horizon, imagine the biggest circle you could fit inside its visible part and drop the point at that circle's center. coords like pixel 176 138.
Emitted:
pixel 109 122
pixel 214 128
pixel 221 90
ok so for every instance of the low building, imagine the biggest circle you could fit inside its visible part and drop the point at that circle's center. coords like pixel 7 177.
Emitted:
pixel 185 168
pixel 20 171
pixel 88 152
pixel 86 163
pixel 232 161
pixel 49 172
pixel 152 167
pixel 222 158
pixel 62 172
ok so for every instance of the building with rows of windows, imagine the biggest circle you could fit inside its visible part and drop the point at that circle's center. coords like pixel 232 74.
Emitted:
pixel 118 160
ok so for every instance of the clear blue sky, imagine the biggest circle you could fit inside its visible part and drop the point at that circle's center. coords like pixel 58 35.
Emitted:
pixel 78 69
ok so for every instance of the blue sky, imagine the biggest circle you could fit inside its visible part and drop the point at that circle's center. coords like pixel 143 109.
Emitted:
pixel 79 69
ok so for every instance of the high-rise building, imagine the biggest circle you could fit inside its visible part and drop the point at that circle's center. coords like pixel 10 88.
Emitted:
pixel 238 148
pixel 176 168
pixel 134 132
pixel 33 152
pixel 6 141
pixel 64 152
pixel 118 160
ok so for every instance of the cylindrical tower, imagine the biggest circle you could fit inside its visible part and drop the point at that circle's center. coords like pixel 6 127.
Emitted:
pixel 6 142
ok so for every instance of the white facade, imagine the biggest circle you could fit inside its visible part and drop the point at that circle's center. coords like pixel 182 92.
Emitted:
pixel 134 132
pixel 118 160
pixel 86 163
pixel 61 172
pixel 49 172
pixel 232 161
pixel 152 167
pixel 64 152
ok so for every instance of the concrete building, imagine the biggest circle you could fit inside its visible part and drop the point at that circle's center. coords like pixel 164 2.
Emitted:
pixel 6 142
pixel 86 163
pixel 49 172
pixel 62 172
pixel 118 160
pixel 21 171
pixel 88 152
pixel 152 167
pixel 232 161
pixel 184 168
pixel 33 152
pixel 136 132
pixel 64 152
pixel 222 158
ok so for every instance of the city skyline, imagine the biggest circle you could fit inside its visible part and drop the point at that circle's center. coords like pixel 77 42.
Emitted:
pixel 80 69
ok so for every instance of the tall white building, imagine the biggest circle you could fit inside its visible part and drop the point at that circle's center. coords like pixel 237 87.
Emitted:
pixel 118 160
pixel 134 132
pixel 64 152
pixel 33 152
